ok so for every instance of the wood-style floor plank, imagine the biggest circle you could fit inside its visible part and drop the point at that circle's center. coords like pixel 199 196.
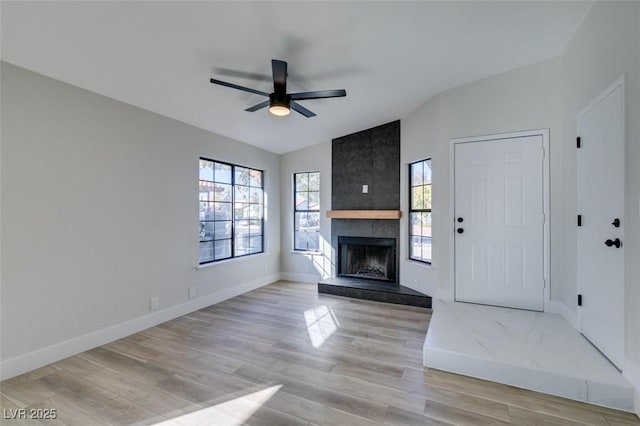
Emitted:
pixel 283 354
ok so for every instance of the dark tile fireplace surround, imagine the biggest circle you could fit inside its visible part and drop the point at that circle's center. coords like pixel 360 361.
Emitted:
pixel 367 252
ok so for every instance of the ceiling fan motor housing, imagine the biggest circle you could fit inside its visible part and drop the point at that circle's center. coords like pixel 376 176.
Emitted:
pixel 280 99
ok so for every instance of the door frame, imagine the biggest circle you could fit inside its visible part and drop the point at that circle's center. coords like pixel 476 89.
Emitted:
pixel 545 202
pixel 619 82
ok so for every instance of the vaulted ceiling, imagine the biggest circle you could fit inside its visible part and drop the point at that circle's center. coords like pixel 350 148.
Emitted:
pixel 389 56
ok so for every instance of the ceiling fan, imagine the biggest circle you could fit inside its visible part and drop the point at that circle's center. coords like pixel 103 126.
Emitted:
pixel 280 102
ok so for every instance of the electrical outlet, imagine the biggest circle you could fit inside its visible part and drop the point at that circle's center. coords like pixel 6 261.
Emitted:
pixel 192 292
pixel 154 303
pixel 365 189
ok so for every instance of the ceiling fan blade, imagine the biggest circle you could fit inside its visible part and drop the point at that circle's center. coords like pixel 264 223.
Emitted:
pixel 302 110
pixel 235 86
pixel 319 94
pixel 229 72
pixel 279 69
pixel 258 106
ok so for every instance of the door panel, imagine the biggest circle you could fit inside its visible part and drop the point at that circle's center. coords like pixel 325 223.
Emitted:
pixel 600 201
pixel 499 255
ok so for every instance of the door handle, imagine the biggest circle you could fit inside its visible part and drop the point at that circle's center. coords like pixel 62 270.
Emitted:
pixel 616 223
pixel 459 230
pixel 460 220
pixel 615 242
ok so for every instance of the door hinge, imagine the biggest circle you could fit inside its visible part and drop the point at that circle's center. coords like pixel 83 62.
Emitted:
pixel 579 220
pixel 578 141
pixel 579 300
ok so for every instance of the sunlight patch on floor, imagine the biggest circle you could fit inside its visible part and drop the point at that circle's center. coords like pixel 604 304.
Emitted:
pixel 229 413
pixel 321 324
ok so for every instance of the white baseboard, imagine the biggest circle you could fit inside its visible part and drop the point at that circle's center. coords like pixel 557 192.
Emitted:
pixel 303 278
pixel 561 309
pixel 41 357
pixel 632 373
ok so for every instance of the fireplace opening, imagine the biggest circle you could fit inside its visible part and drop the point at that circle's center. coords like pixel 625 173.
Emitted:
pixel 367 258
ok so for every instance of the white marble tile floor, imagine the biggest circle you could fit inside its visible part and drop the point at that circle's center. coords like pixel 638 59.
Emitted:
pixel 531 350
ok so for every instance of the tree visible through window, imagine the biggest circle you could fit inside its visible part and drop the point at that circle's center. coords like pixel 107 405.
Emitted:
pixel 420 211
pixel 231 211
pixel 306 192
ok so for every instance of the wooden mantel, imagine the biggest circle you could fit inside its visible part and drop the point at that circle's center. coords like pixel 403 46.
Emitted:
pixel 364 214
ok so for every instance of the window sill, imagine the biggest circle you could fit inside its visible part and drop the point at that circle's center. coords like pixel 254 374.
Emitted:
pixel 231 260
pixel 428 265
pixel 307 253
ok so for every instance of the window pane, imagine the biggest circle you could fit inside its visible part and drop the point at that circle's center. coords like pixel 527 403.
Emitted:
pixel 206 191
pixel 255 227
pixel 255 195
pixel 302 201
pixel 242 176
pixel 206 170
pixel 417 198
pixel 417 174
pixel 426 225
pixel 416 248
pixel 256 178
pixel 242 193
pixel 302 182
pixel 222 249
pixel 255 245
pixel 313 222
pixel 223 173
pixel 299 240
pixel 206 211
pixel 206 252
pixel 314 181
pixel 206 231
pixel 427 171
pixel 427 196
pixel 314 200
pixel 222 211
pixel 222 230
pixel 426 249
pixel 222 192
pixel 241 211
pixel 242 246
pixel 299 218
pixel 256 211
pixel 416 223
pixel 241 228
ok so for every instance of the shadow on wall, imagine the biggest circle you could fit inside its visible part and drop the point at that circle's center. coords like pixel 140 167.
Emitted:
pixel 322 262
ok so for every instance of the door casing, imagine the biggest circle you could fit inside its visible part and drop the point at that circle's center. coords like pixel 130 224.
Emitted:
pixel 545 201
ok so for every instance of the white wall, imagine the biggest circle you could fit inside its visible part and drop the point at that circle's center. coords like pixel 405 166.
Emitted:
pixel 100 213
pixel 298 266
pixel 605 46
pixel 523 99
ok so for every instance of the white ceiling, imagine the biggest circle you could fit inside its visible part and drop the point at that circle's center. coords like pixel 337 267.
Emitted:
pixel 389 56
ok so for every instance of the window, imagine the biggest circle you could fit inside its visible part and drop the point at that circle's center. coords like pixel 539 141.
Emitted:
pixel 231 211
pixel 306 195
pixel 420 211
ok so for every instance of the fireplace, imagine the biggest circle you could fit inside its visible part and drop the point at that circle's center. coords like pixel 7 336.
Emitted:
pixel 367 258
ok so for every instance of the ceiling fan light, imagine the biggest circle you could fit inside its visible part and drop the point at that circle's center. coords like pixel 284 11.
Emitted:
pixel 279 110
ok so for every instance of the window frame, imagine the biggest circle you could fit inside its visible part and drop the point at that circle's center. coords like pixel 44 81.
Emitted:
pixel 423 210
pixel 296 210
pixel 232 202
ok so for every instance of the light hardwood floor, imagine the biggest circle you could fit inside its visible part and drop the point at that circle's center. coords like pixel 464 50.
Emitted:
pixel 282 354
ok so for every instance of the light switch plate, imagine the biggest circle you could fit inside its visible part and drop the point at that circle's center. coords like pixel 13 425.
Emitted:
pixel 365 189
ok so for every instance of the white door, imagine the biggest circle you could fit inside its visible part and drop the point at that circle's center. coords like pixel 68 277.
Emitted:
pixel 499 222
pixel 600 241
